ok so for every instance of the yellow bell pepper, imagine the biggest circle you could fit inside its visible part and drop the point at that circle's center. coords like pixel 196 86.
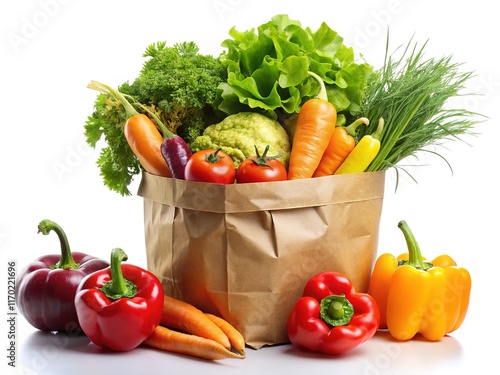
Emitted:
pixel 415 296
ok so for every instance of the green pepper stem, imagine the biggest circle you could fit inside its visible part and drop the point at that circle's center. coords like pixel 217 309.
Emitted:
pixel 66 261
pixel 351 129
pixel 118 286
pixel 336 310
pixel 380 127
pixel 414 254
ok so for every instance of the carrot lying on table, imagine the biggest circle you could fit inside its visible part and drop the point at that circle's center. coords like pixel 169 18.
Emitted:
pixel 235 337
pixel 183 343
pixel 182 316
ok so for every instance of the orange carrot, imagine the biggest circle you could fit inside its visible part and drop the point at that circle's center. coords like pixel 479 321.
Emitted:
pixel 183 343
pixel 235 337
pixel 315 125
pixel 340 146
pixel 141 134
pixel 145 140
pixel 182 316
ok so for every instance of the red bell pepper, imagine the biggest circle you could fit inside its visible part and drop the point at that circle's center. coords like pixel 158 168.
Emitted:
pixel 331 317
pixel 46 288
pixel 119 307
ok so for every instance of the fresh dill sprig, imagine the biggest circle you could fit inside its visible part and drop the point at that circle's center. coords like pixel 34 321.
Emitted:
pixel 412 94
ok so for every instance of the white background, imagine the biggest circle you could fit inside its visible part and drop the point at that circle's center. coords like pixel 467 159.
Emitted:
pixel 51 49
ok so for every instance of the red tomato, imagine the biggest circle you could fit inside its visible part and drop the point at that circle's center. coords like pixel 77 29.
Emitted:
pixel 210 166
pixel 261 168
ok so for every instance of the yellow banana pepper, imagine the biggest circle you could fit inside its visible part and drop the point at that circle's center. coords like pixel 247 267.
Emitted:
pixel 415 296
pixel 363 153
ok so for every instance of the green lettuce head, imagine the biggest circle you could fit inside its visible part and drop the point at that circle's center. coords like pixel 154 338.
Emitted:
pixel 268 70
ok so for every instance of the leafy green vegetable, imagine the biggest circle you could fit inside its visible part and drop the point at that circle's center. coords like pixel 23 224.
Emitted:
pixel 180 85
pixel 268 70
pixel 238 135
pixel 413 94
pixel 117 162
pixel 177 84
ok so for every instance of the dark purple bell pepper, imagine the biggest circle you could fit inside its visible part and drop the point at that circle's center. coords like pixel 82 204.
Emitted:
pixel 46 288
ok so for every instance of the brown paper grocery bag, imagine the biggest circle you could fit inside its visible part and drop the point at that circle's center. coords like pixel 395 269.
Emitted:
pixel 245 251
